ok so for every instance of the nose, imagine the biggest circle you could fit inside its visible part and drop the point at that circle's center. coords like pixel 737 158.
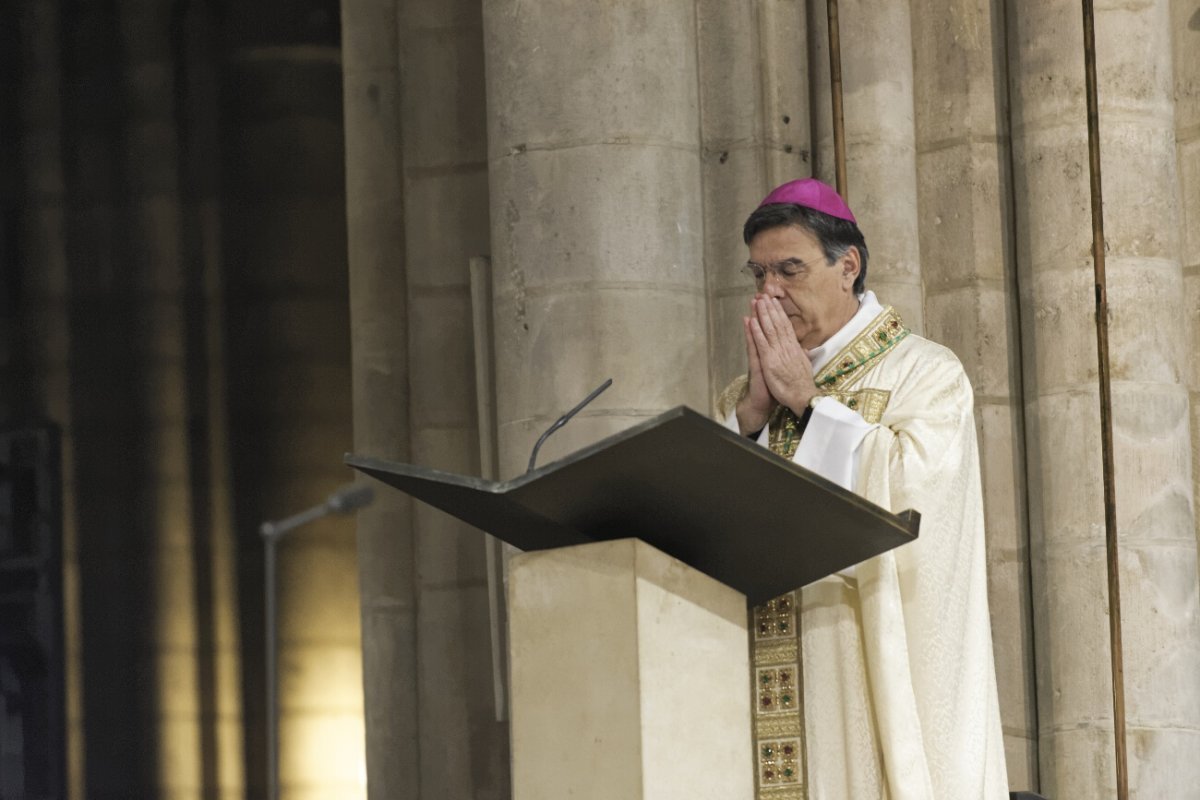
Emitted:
pixel 772 285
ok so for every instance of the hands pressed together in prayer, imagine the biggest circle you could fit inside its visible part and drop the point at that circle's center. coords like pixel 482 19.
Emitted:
pixel 780 370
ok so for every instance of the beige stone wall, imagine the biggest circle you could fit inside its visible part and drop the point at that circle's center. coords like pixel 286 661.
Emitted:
pixel 597 217
pixel 731 91
pixel 877 98
pixel 1151 427
pixel 45 318
pixel 752 60
pixel 968 268
pixel 1185 44
pixel 379 364
pixel 443 114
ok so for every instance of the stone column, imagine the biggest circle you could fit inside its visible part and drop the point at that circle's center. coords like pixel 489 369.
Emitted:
pixel 151 253
pixel 785 75
pixel 1185 23
pixel 877 98
pixel 754 125
pixel 44 304
pixel 968 266
pixel 12 363
pixel 219 641
pixel 1152 433
pixel 446 222
pixel 597 218
pixel 130 416
pixel 288 334
pixel 731 169
pixel 379 321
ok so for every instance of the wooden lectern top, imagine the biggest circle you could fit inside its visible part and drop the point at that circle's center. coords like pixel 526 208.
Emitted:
pixel 685 485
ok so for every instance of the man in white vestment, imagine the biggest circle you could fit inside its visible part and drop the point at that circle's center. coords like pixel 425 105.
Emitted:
pixel 877 682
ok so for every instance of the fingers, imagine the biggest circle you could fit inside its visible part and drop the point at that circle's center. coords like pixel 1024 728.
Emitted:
pixel 762 312
pixel 759 336
pixel 751 348
pixel 785 334
pixel 780 320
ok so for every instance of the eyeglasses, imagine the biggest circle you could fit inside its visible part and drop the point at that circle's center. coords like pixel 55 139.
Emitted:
pixel 786 270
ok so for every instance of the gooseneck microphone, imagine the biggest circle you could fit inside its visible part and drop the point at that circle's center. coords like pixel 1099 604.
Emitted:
pixel 347 499
pixel 563 420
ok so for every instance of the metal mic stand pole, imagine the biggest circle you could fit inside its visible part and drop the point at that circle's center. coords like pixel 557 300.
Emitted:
pixel 344 501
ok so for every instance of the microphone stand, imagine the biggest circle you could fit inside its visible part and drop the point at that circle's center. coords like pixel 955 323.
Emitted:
pixel 344 501
pixel 563 420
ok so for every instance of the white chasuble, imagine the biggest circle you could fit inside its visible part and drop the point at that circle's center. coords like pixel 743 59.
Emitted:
pixel 879 682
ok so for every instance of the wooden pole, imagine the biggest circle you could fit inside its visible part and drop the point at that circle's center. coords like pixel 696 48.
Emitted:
pixel 835 77
pixel 1110 502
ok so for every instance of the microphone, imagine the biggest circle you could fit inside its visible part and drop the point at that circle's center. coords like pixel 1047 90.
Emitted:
pixel 345 500
pixel 563 420
pixel 350 498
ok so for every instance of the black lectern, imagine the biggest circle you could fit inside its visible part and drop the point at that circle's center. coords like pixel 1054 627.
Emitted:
pixel 685 485
pixel 628 647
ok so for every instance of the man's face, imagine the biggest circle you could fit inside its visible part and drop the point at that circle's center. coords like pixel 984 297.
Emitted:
pixel 819 298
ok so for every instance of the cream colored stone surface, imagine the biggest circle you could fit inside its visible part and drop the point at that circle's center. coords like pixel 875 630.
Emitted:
pixel 594 148
pixel 754 125
pixel 786 118
pixel 380 363
pixel 1150 408
pixel 628 678
pixel 603 72
pixel 1185 25
pixel 968 269
pixel 877 90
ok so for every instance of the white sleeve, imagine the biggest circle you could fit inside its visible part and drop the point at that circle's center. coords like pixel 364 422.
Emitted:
pixel 830 447
pixel 831 441
pixel 732 424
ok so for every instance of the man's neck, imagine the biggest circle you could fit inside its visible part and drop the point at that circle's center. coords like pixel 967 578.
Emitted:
pixel 866 308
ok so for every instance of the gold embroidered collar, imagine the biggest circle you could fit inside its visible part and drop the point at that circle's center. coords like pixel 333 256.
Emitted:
pixel 885 332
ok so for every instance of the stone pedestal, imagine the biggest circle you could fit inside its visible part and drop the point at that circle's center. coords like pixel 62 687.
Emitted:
pixel 628 678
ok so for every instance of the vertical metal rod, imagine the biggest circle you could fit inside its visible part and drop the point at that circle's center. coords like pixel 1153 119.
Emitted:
pixel 489 467
pixel 1110 502
pixel 272 689
pixel 835 78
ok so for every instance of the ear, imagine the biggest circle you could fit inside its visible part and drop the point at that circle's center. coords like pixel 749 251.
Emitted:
pixel 851 266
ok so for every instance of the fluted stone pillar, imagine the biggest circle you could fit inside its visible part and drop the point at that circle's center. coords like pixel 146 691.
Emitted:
pixel 130 418
pixel 446 223
pixel 12 363
pixel 597 240
pixel 43 324
pixel 877 98
pixel 219 640
pixel 784 64
pixel 1150 409
pixel 731 170
pixel 288 332
pixel 379 321
pixel 968 266
pixel 1185 24
pixel 115 234
pixel 754 127
pixel 163 290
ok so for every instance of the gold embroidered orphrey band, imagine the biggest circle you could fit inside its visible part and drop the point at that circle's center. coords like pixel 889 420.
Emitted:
pixel 778 671
pixel 835 378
